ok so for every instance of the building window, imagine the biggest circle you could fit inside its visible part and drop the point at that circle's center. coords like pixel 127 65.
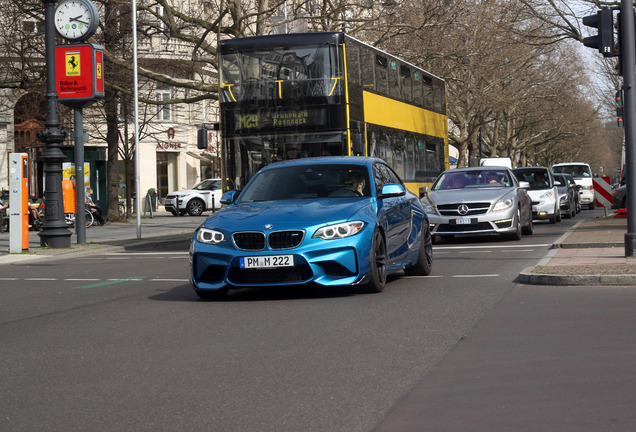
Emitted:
pixel 164 112
pixel 161 12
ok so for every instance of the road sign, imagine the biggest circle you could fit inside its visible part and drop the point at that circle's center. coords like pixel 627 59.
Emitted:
pixel 603 192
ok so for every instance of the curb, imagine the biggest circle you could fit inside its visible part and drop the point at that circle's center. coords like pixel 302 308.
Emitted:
pixel 527 277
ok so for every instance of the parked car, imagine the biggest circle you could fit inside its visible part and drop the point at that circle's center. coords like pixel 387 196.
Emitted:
pixel 331 221
pixel 582 175
pixel 568 194
pixel 543 191
pixel 620 197
pixel 204 196
pixel 478 200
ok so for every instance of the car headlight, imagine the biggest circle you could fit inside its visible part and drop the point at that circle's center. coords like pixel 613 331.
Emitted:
pixel 429 208
pixel 564 198
pixel 546 195
pixel 210 236
pixel 502 205
pixel 338 231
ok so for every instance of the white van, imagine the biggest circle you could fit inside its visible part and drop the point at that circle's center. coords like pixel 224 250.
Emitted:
pixel 496 161
pixel 582 175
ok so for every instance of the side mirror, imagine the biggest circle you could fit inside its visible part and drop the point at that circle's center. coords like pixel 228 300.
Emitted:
pixel 557 183
pixel 391 190
pixel 524 185
pixel 423 191
pixel 228 197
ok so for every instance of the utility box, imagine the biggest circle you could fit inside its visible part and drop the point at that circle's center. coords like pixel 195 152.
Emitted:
pixel 18 202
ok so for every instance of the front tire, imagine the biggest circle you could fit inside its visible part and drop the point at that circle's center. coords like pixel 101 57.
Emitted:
pixel 424 263
pixel 377 258
pixel 528 229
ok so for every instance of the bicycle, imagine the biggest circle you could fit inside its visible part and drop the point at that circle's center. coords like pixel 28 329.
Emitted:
pixel 70 218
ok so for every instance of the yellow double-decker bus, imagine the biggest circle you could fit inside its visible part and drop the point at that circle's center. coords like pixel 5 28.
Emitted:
pixel 314 94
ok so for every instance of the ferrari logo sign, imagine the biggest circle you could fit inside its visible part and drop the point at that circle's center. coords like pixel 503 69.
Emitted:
pixel 79 73
pixel 73 63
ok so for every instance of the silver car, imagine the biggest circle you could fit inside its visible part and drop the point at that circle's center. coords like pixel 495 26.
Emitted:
pixel 479 200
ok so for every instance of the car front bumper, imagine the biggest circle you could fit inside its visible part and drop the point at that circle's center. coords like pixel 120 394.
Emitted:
pixel 324 262
pixel 544 209
pixel 500 222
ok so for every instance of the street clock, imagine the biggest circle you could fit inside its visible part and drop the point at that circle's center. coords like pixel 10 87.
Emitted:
pixel 76 20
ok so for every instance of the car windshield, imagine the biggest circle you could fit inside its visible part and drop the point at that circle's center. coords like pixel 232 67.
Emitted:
pixel 208 185
pixel 538 178
pixel 308 182
pixel 578 171
pixel 471 179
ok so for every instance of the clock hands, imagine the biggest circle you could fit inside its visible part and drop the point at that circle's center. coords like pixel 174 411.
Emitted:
pixel 77 18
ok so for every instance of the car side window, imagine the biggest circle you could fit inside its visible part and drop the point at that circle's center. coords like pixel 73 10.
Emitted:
pixel 383 175
pixel 378 178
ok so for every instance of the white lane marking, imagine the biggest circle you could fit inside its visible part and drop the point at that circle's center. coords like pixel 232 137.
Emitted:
pixel 40 279
pixel 81 279
pixel 9 279
pixel 169 280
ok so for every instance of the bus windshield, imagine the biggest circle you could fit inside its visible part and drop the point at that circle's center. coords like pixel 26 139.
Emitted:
pixel 281 73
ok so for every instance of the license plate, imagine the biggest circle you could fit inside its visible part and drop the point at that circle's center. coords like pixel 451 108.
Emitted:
pixel 463 221
pixel 269 261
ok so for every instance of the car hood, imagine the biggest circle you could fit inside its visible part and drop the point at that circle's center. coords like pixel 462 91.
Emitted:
pixel 453 196
pixel 290 214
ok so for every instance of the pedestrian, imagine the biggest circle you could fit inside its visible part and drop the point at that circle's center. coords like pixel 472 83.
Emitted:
pixel 93 208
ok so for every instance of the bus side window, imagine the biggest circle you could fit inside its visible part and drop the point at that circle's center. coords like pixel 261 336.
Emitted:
pixel 381 74
pixel 353 65
pixel 394 80
pixel 417 89
pixel 405 76
pixel 367 68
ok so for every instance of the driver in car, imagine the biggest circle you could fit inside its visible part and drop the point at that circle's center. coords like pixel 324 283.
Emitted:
pixel 356 182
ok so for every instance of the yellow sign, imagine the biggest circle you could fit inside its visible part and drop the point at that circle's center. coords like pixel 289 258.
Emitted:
pixel 72 63
pixel 98 71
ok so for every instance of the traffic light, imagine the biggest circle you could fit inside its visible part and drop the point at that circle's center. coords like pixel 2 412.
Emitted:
pixel 202 138
pixel 604 40
pixel 619 108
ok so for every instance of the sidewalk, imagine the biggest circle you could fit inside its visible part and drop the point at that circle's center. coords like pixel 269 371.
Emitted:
pixel 163 226
pixel 591 253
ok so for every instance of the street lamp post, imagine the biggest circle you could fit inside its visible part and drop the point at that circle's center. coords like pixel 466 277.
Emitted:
pixel 628 60
pixel 54 232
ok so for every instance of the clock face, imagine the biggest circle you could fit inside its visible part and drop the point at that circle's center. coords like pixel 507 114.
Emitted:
pixel 76 19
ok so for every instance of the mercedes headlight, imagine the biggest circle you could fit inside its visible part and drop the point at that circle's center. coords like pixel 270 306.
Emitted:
pixel 338 231
pixel 503 204
pixel 210 236
pixel 429 208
